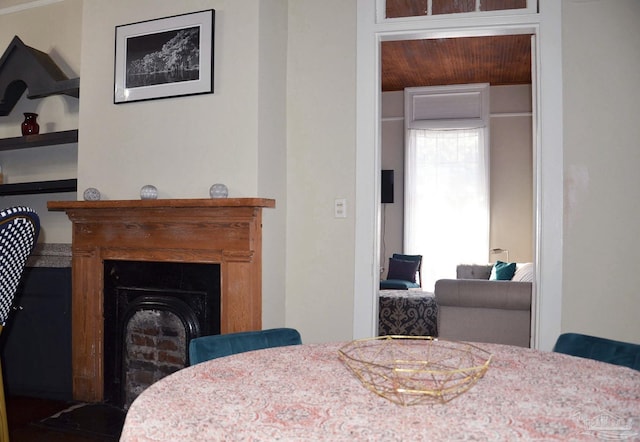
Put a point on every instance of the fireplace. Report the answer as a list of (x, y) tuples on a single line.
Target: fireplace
[(223, 232), (151, 312)]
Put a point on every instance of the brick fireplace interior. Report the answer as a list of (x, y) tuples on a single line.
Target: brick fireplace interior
[(225, 234)]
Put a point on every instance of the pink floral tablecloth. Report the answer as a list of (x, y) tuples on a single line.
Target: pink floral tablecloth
[(306, 393)]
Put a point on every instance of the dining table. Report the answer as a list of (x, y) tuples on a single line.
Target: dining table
[(308, 393)]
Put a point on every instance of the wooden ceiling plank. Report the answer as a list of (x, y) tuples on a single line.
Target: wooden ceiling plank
[(497, 60)]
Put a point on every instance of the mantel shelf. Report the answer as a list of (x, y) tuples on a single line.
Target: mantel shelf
[(48, 139), (188, 203)]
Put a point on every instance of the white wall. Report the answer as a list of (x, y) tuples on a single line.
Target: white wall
[(272, 154), (181, 145), (512, 186), (601, 294), (392, 157), (320, 168)]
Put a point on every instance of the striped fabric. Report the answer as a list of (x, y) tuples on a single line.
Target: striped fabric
[(19, 229)]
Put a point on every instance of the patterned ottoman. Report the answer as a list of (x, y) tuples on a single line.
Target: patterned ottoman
[(407, 312)]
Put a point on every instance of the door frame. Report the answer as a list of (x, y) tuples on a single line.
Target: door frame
[(545, 26)]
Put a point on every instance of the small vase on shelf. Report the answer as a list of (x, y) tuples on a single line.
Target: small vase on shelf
[(30, 126)]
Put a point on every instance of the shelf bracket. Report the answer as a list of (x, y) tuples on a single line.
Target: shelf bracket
[(25, 68)]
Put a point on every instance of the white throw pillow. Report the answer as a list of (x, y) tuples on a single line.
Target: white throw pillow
[(524, 272)]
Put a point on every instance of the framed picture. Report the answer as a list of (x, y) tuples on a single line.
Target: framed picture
[(166, 57)]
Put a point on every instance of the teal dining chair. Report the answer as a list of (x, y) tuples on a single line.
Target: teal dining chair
[(205, 348), (600, 349)]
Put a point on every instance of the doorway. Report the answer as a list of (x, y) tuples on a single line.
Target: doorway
[(441, 64), (546, 27)]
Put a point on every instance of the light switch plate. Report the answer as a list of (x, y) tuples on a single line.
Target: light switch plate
[(340, 208)]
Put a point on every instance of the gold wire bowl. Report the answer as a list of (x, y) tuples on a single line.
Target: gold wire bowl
[(412, 370)]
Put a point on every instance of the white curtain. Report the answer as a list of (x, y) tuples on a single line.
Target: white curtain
[(446, 200)]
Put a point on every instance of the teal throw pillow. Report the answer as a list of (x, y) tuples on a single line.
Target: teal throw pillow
[(503, 271)]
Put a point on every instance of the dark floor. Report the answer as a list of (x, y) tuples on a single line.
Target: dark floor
[(23, 411)]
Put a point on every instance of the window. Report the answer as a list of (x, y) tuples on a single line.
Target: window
[(447, 178), (446, 202), (415, 8)]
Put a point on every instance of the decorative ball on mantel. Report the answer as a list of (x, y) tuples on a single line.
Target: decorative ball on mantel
[(91, 194), (148, 192), (219, 190)]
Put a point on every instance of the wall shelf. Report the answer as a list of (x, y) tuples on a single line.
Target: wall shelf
[(48, 139), (30, 141), (55, 186), (23, 68)]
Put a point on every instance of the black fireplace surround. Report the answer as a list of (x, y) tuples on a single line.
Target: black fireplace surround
[(190, 291)]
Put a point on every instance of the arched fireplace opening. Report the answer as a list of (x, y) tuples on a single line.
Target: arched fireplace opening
[(151, 312)]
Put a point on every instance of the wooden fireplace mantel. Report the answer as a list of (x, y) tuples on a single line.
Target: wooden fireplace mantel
[(226, 231)]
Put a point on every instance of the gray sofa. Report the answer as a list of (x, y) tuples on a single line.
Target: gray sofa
[(473, 308)]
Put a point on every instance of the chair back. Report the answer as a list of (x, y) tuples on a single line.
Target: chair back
[(600, 349), (19, 230), (415, 258), (205, 348)]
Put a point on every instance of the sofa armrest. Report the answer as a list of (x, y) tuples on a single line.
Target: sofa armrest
[(479, 293)]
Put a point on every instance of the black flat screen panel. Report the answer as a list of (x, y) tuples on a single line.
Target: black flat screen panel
[(387, 186)]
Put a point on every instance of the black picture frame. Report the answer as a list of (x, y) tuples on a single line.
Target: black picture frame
[(165, 57)]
